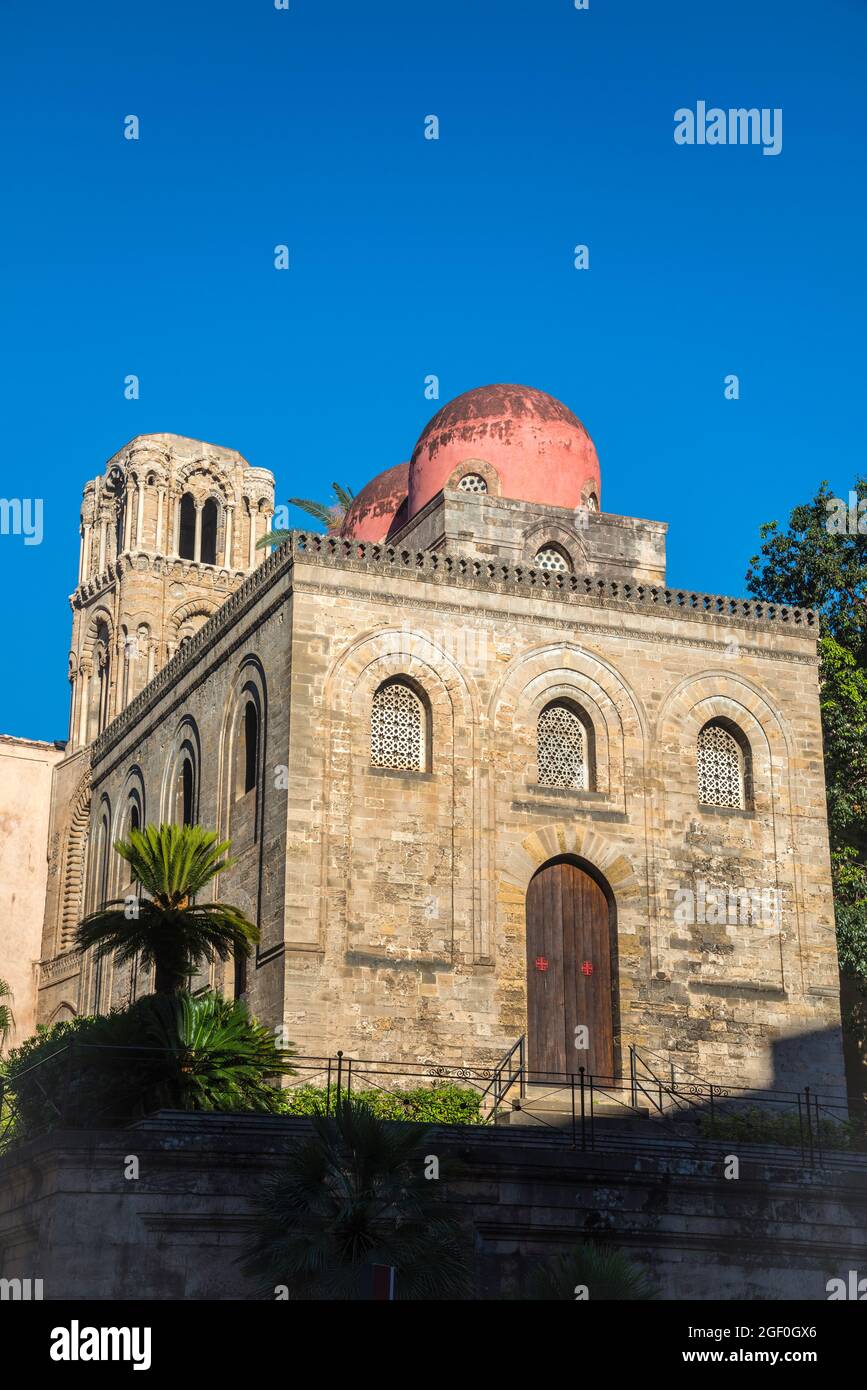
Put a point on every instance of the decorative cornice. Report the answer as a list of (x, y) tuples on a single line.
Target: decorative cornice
[(461, 571), (215, 577), (59, 967)]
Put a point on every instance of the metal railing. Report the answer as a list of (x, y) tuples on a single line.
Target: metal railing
[(584, 1110)]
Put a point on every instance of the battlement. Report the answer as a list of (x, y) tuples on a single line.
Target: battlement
[(460, 571)]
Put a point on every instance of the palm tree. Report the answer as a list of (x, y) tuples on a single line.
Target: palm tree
[(606, 1274), (330, 514), (7, 1018), (351, 1196), (168, 929)]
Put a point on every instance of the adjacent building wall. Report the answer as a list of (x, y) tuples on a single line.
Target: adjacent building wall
[(25, 807)]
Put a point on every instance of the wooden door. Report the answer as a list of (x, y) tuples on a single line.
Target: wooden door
[(569, 975)]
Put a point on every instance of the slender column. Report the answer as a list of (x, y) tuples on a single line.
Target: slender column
[(85, 553), (152, 658), (252, 537), (127, 516), (197, 546), (73, 708), (227, 559), (102, 538), (176, 541), (161, 494), (139, 515), (83, 694)]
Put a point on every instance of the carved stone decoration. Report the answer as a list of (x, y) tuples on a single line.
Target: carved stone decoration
[(561, 748), (72, 901), (397, 732), (720, 773)]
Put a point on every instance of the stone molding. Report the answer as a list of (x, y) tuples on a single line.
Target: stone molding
[(463, 571)]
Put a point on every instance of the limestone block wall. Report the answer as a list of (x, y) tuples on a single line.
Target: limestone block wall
[(25, 806), (193, 706), (392, 903), (69, 1217), (414, 944), (618, 547)]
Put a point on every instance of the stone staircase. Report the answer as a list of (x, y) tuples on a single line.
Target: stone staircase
[(551, 1106)]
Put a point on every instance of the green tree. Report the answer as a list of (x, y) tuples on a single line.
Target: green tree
[(167, 928), (7, 1020), (606, 1274), (353, 1195), (820, 560), (330, 514)]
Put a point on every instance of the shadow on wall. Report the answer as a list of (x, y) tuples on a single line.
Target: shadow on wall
[(811, 1058)]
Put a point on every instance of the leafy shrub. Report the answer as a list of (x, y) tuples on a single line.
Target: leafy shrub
[(182, 1052), (607, 1274), (755, 1125), (352, 1195), (444, 1104)]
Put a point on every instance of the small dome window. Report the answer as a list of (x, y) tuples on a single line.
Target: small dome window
[(472, 482), (552, 559)]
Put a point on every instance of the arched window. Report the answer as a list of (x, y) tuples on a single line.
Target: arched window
[(134, 817), (472, 482), (210, 516), (247, 751), (564, 747), (553, 559), (187, 532), (723, 764), (185, 790), (99, 685), (398, 728)]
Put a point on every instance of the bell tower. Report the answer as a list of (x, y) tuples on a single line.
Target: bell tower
[(168, 531)]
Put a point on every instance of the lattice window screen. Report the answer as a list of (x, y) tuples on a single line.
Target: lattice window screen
[(472, 482), (562, 748), (397, 729), (720, 768), (550, 559)]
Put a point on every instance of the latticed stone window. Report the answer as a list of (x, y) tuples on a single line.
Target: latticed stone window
[(549, 558), (472, 482), (720, 768), (562, 748), (398, 728)]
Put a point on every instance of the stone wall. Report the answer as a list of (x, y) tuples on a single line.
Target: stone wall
[(70, 1216), (392, 904), (25, 808)]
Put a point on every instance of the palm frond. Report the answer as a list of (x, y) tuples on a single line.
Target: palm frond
[(345, 496), (167, 927), (320, 510), (275, 538)]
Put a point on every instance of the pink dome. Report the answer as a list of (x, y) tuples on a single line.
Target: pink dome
[(380, 506), (539, 450)]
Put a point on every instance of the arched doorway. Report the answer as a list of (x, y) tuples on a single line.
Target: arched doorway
[(570, 972)]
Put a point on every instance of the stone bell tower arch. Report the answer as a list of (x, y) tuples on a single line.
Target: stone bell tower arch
[(168, 531)]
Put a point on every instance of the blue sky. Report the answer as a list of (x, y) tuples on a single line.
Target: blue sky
[(411, 257)]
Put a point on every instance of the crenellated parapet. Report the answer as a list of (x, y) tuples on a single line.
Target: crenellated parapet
[(466, 572)]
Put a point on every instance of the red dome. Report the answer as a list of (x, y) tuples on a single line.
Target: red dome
[(374, 512), (540, 451)]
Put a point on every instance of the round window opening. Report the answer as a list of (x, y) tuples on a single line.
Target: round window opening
[(472, 482), (552, 560)]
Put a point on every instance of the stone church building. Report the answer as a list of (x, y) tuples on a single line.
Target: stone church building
[(484, 774)]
